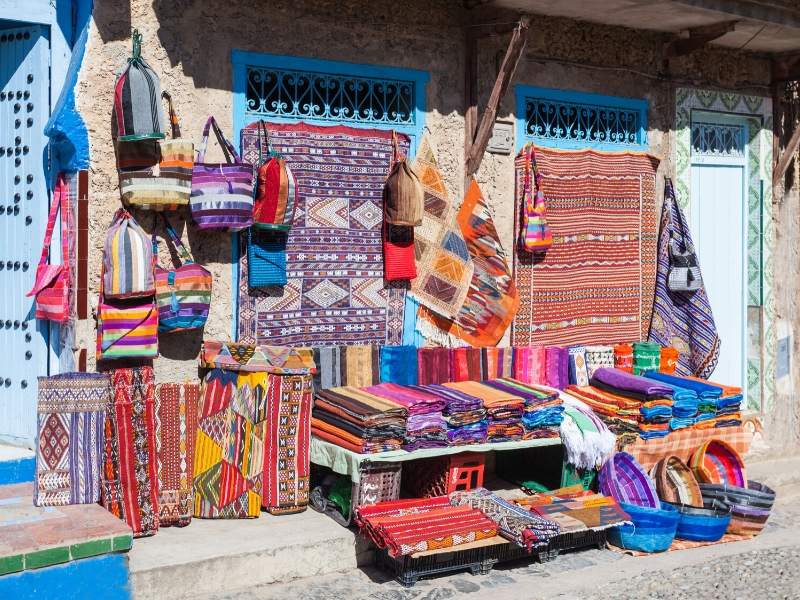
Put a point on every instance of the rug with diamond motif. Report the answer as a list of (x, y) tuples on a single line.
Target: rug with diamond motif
[(335, 293)]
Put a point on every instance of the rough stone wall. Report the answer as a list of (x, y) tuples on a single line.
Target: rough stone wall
[(189, 43)]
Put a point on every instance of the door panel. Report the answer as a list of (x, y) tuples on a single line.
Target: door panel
[(718, 232), (24, 109)]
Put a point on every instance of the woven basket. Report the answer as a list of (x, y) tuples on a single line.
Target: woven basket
[(653, 529), (703, 524), (718, 462), (750, 506), (625, 480), (675, 482)]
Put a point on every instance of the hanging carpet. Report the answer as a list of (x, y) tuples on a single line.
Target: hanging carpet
[(595, 284), (335, 292)]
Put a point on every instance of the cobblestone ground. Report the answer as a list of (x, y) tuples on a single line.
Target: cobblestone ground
[(765, 568)]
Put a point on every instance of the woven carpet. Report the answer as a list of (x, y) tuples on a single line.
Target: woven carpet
[(335, 292), (443, 264), (492, 296), (595, 285)]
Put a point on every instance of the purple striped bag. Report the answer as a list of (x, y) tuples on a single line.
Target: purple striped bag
[(222, 193)]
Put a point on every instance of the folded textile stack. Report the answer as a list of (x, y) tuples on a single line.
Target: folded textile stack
[(504, 409), (516, 524), (544, 409), (577, 511), (599, 357), (685, 404), (357, 420), (621, 415), (623, 357), (718, 405), (425, 427), (529, 364), (467, 421), (408, 526), (433, 365)]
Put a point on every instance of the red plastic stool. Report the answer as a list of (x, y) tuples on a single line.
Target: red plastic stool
[(465, 472)]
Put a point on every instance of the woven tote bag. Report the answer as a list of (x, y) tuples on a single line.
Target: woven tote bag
[(127, 329), (127, 260), (183, 294), (403, 193), (156, 174), (52, 284), (266, 258), (276, 193), (222, 193), (535, 235)]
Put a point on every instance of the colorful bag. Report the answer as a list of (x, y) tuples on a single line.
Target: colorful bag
[(156, 174), (399, 261), (266, 258), (138, 113), (222, 193), (535, 235), (403, 195), (183, 295), (52, 284), (127, 260), (276, 196), (127, 329)]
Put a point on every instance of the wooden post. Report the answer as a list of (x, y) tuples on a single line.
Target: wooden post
[(475, 150), (470, 94), (786, 158)]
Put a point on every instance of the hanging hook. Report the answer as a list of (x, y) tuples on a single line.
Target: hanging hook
[(137, 44)]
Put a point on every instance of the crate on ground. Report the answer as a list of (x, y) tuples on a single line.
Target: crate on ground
[(378, 482), (565, 542), (441, 475), (407, 570)]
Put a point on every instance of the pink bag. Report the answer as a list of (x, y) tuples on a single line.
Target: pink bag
[(52, 284), (535, 235)]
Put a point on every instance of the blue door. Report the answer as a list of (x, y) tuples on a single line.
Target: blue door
[(24, 110)]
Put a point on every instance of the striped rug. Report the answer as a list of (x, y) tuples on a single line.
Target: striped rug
[(595, 285)]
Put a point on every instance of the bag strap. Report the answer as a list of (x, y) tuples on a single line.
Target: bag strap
[(396, 155), (527, 186), (184, 256), (231, 156), (173, 118), (55, 207)]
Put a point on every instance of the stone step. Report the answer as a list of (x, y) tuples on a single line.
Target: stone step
[(210, 557)]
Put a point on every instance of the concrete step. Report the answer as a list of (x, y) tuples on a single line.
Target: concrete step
[(212, 557), (775, 472)]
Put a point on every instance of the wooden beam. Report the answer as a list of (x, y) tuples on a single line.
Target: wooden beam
[(698, 38), (507, 69), (786, 158), (470, 92)]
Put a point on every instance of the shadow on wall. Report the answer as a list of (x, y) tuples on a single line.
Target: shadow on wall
[(113, 19)]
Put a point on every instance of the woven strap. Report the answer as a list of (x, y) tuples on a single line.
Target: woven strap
[(184, 256), (231, 156), (173, 118), (58, 198)]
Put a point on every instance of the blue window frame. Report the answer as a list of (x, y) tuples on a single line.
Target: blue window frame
[(573, 120), (288, 89)]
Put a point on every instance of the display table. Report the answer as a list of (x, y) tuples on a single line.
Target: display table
[(347, 462)]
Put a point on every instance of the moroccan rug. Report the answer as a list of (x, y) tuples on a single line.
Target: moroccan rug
[(130, 481), (176, 429), (492, 296), (444, 267), (595, 285), (335, 292), (287, 439), (682, 320), (69, 450), (229, 447)]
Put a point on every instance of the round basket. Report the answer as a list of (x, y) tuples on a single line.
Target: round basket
[(652, 529), (717, 462), (755, 495), (701, 524), (624, 479), (676, 483)]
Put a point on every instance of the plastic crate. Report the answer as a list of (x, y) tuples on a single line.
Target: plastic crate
[(407, 570), (565, 542), (465, 472), (441, 475)]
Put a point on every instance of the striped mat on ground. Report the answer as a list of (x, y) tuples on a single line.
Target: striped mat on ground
[(595, 285), (335, 292)]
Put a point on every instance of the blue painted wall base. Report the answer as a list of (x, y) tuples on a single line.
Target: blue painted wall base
[(20, 470)]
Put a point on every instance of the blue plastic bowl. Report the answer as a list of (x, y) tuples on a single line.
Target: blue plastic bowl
[(653, 529), (702, 524)]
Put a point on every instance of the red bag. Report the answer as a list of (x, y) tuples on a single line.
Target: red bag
[(52, 284)]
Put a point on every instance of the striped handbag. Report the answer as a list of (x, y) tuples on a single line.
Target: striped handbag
[(127, 329), (128, 259), (156, 174), (222, 193), (183, 295), (276, 194), (52, 284), (535, 235)]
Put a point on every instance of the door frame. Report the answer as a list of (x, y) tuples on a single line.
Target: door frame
[(756, 112)]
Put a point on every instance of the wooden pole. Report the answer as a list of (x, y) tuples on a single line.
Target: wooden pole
[(786, 158)]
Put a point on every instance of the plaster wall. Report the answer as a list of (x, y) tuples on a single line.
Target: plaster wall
[(189, 43)]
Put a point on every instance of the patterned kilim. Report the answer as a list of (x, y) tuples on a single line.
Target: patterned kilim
[(229, 448), (335, 292), (264, 359), (492, 297), (176, 429), (287, 440), (69, 450), (130, 481), (444, 268), (595, 285)]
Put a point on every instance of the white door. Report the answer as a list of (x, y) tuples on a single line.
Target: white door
[(718, 220)]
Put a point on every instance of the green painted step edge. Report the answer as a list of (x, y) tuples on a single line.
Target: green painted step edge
[(12, 564), (93, 548), (45, 558), (122, 543)]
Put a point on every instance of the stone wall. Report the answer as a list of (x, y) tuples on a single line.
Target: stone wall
[(189, 43)]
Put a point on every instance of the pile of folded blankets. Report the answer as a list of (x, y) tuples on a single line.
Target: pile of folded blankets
[(717, 405), (543, 411), (409, 526), (426, 426), (504, 410), (466, 418), (359, 421), (621, 415)]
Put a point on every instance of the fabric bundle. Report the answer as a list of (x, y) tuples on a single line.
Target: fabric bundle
[(425, 427), (621, 415), (669, 360), (628, 385), (359, 421), (529, 364), (543, 410), (339, 366), (575, 513), (398, 364), (578, 369), (496, 362), (405, 527), (599, 357), (504, 409), (717, 405), (623, 357), (434, 365), (556, 367), (646, 357), (466, 418), (466, 364), (516, 524)]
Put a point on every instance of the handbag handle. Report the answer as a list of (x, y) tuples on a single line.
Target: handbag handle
[(227, 148), (669, 194), (184, 256), (55, 207), (173, 118)]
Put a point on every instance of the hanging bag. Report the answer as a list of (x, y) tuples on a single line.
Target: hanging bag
[(684, 269), (127, 260), (52, 284), (183, 294), (403, 193), (266, 258), (156, 174), (276, 196), (222, 193), (535, 235)]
